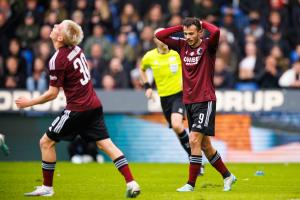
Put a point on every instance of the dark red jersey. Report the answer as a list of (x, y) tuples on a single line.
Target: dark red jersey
[(197, 63), (69, 69)]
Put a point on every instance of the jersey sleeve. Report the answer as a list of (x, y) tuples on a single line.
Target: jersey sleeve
[(165, 36), (145, 63), (56, 72), (214, 35)]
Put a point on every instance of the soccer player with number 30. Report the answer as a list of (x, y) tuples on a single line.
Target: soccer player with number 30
[(83, 114)]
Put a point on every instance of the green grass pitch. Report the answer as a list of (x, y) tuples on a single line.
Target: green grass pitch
[(158, 181)]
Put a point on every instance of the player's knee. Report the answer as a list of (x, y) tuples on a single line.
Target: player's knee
[(177, 127), (45, 144), (194, 142), (100, 146), (104, 144)]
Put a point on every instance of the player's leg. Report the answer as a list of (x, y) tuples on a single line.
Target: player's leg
[(121, 163), (97, 131), (64, 127), (216, 161), (174, 110), (195, 161), (178, 128), (47, 147), (212, 155)]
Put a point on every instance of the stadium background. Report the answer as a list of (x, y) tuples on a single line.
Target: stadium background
[(258, 119)]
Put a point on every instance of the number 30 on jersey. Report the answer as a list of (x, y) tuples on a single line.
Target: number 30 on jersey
[(81, 63)]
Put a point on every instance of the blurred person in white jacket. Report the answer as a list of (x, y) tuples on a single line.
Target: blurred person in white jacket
[(291, 77)]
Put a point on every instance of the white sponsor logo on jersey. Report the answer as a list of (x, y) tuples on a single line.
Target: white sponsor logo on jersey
[(53, 78), (191, 60)]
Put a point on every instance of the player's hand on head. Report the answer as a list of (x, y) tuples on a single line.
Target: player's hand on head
[(22, 102)]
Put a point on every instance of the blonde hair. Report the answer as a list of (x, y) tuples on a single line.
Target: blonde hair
[(72, 33)]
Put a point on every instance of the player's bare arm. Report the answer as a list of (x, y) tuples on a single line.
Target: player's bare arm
[(50, 94)]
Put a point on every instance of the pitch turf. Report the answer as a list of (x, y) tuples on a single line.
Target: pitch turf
[(158, 181)]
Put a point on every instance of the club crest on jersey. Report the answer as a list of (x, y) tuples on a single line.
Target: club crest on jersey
[(199, 51)]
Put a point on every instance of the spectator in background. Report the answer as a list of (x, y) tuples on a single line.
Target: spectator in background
[(250, 65), (129, 19), (78, 17), (51, 18), (43, 50), (223, 78), (28, 32), (98, 37), (117, 72), (129, 52), (57, 7), (14, 78), (118, 52), (38, 79), (275, 34), (14, 49), (175, 20), (146, 40), (37, 11), (45, 31), (135, 80), (154, 18), (228, 56), (43, 47), (206, 9), (282, 62), (176, 7), (229, 48), (10, 17), (83, 6), (228, 23), (291, 77), (95, 76), (108, 83), (269, 77), (254, 28), (102, 15), (98, 65)]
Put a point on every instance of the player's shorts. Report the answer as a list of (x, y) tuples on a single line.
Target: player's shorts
[(88, 124), (172, 104), (201, 117)]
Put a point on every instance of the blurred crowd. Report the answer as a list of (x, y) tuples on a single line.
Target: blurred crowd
[(259, 42)]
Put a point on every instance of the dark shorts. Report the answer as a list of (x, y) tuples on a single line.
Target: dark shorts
[(201, 117), (172, 104), (88, 124)]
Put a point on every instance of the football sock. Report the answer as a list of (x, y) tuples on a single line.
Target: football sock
[(48, 171), (122, 165), (217, 163), (194, 169), (184, 141)]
